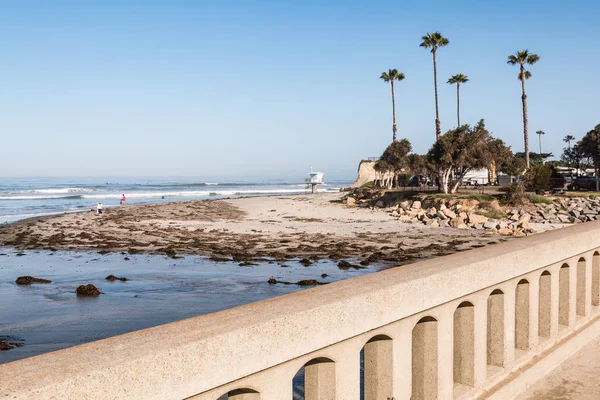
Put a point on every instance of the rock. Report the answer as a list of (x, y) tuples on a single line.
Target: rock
[(432, 212), (344, 264), (405, 205), (449, 213), (478, 226), (525, 217), (405, 218), (519, 233), (351, 201), (308, 282), (455, 222), (88, 290), (306, 262), (505, 231), (247, 264), (113, 278), (380, 204), (524, 225), (394, 213), (564, 218), (490, 225), (463, 215), (440, 214), (433, 223), (583, 218), (324, 275), (514, 217), (416, 205), (477, 219), (445, 223), (575, 213), (272, 281), (28, 280), (462, 226)]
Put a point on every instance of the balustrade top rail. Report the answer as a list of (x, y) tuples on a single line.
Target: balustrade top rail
[(191, 356)]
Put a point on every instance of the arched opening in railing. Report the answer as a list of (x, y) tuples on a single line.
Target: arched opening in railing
[(378, 369), (241, 394), (495, 328), (596, 279), (425, 359), (315, 380), (581, 278), (563, 295), (522, 315), (545, 305), (464, 344)]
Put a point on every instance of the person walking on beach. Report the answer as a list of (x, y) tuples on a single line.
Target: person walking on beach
[(123, 200), (99, 209)]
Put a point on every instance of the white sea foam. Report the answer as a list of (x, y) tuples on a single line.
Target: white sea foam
[(59, 191)]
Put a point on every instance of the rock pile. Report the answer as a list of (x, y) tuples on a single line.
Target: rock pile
[(459, 214), (467, 214)]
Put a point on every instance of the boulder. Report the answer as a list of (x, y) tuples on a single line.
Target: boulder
[(380, 204), (564, 218), (433, 223), (28, 280), (463, 226), (440, 214), (505, 231), (416, 205), (88, 290), (490, 225), (405, 205), (444, 223), (449, 213), (351, 201), (525, 217), (455, 222), (432, 212), (477, 219)]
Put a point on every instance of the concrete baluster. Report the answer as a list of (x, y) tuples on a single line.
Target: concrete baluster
[(403, 360), (534, 309), (480, 338), (509, 329), (320, 380), (445, 350), (347, 375), (379, 368)]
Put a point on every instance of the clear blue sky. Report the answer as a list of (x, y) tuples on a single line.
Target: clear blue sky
[(271, 88)]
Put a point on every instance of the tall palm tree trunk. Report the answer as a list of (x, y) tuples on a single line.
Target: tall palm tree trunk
[(394, 113), (540, 145), (438, 129), (525, 121), (458, 102)]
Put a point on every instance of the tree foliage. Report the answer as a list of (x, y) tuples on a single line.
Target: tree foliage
[(463, 149), (394, 158), (590, 147)]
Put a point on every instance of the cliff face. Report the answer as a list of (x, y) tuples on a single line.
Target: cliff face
[(367, 173)]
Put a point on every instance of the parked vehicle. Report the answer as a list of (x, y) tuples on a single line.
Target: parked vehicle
[(583, 182)]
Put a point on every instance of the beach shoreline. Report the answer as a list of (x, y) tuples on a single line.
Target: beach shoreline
[(244, 229)]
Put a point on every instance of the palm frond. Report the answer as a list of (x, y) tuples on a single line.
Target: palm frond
[(400, 76), (385, 76), (512, 60), (525, 74), (532, 58)]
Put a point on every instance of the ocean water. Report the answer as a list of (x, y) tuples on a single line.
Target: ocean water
[(22, 198), (48, 317)]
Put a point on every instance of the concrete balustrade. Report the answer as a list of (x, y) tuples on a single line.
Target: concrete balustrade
[(456, 327)]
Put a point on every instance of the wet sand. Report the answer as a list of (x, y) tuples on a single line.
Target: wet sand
[(242, 229)]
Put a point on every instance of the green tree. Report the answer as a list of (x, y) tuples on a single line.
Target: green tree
[(523, 58), (434, 41), (458, 79), (463, 149), (540, 133), (567, 139), (391, 76), (590, 147), (394, 158)]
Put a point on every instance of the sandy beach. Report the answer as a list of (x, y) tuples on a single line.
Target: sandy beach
[(243, 229)]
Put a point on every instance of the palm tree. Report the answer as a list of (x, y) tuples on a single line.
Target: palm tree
[(567, 139), (458, 79), (521, 58), (391, 76), (540, 133), (434, 41)]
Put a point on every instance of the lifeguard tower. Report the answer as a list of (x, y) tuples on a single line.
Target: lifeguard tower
[(316, 178)]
